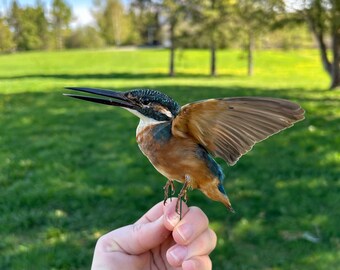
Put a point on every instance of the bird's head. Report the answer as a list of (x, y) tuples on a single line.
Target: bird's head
[(145, 103)]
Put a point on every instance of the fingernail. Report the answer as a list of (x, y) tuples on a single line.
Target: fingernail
[(178, 253), (185, 231)]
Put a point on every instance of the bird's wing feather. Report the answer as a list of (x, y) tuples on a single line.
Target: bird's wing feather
[(229, 127)]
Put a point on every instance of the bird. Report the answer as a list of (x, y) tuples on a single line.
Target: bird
[(183, 142)]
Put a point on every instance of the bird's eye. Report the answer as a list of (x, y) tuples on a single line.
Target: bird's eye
[(146, 102)]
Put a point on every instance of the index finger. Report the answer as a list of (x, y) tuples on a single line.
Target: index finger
[(153, 214)]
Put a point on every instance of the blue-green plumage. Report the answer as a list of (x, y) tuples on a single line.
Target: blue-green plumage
[(212, 165), (150, 98), (162, 132)]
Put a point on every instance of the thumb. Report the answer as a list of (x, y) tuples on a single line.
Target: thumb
[(137, 238)]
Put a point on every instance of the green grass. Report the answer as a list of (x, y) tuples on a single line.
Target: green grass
[(71, 171)]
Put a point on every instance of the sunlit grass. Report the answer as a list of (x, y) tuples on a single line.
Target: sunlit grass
[(70, 171)]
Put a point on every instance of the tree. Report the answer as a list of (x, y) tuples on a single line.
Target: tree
[(14, 20), (211, 18), (113, 22), (147, 21), (254, 17), (84, 37), (29, 26), (42, 24), (323, 17), (61, 17), (6, 39), (175, 13), (133, 36)]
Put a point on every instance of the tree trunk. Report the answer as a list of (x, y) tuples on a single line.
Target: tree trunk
[(172, 51), (327, 65), (116, 29), (250, 52), (336, 62), (59, 39), (317, 29), (317, 26), (336, 49), (172, 62), (212, 58), (212, 47), (332, 68), (59, 35)]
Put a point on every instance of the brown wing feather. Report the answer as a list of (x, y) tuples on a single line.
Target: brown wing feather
[(229, 127)]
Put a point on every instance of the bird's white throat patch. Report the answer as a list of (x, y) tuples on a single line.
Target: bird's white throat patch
[(144, 121)]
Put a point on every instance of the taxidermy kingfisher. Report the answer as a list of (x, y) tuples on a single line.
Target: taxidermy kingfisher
[(180, 142)]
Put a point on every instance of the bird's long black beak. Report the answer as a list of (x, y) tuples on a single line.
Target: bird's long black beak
[(114, 98)]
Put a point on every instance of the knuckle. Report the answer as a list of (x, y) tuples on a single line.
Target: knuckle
[(136, 228), (101, 240), (103, 243)]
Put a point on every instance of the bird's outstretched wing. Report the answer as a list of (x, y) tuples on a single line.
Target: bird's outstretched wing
[(229, 127)]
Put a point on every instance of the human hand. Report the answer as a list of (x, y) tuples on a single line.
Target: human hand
[(159, 240)]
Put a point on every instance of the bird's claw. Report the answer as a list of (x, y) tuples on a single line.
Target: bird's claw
[(182, 196), (172, 188), (169, 185)]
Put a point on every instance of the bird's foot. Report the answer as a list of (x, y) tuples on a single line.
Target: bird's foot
[(183, 196), (169, 185)]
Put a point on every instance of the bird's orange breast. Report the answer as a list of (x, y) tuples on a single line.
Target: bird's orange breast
[(174, 157)]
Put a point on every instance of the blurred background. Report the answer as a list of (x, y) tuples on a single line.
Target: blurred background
[(71, 171)]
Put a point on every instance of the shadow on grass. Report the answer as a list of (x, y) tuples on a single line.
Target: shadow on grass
[(112, 75), (72, 171)]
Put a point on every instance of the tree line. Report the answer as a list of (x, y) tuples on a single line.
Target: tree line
[(212, 24)]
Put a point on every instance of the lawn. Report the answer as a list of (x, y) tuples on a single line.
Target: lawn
[(71, 171)]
